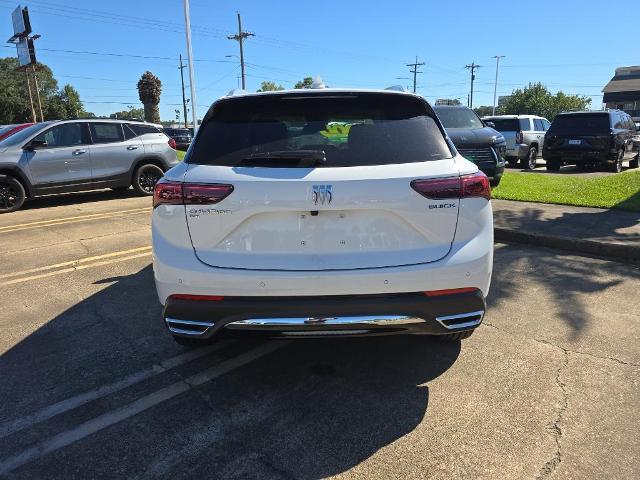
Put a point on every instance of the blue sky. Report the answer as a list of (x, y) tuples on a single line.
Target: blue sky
[(564, 44)]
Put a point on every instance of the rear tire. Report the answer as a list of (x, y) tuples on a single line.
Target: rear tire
[(190, 342), (495, 183), (145, 178), (12, 194), (455, 337), (553, 166), (529, 163), (634, 163), (616, 167)]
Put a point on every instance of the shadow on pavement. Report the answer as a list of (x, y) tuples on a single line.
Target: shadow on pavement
[(313, 408), (77, 198)]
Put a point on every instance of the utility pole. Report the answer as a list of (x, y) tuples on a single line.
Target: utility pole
[(495, 85), (192, 76), (184, 100), (239, 37), (33, 110), (473, 67), (35, 81), (415, 71)]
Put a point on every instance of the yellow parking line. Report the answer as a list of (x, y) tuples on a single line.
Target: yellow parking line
[(76, 262), (62, 221), (75, 268)]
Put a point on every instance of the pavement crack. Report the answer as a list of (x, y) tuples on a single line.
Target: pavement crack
[(555, 426)]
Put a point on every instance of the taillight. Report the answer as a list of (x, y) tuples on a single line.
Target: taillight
[(450, 291), (173, 193), (172, 143), (196, 298), (473, 185)]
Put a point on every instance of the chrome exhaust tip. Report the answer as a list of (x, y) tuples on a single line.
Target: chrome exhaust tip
[(461, 320), (187, 327)]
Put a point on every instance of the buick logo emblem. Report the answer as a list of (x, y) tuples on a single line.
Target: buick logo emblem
[(322, 194)]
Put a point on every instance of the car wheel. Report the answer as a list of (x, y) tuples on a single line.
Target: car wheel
[(634, 163), (190, 342), (454, 337), (553, 166), (145, 178), (495, 182), (616, 167), (120, 189), (12, 194), (531, 159)]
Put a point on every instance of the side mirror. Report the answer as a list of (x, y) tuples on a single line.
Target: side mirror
[(490, 124), (35, 144)]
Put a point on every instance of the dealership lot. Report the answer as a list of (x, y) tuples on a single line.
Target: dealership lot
[(94, 386)]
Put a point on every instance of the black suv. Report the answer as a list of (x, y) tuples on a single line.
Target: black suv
[(182, 136), (475, 140), (591, 138)]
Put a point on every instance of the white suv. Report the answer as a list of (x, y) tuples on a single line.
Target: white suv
[(322, 212)]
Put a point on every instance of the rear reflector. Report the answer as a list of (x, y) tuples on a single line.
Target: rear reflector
[(197, 298), (174, 193), (450, 291), (465, 186)]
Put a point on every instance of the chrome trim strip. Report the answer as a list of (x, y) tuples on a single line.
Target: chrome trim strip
[(318, 333), (188, 322), (184, 332), (471, 323), (310, 321)]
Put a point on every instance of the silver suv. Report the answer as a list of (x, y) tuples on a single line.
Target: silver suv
[(75, 155), (524, 135)]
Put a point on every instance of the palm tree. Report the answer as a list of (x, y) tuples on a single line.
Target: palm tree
[(149, 90)]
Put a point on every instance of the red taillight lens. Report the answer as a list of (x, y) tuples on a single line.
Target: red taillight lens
[(173, 193), (450, 291), (205, 194), (172, 143), (473, 185), (476, 185), (197, 298), (167, 193)]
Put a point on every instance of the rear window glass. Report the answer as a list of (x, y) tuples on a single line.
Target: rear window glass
[(143, 129), (525, 124), (582, 124), (458, 117), (505, 124), (337, 130), (106, 132)]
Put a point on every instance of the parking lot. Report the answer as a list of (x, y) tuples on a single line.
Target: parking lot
[(93, 386)]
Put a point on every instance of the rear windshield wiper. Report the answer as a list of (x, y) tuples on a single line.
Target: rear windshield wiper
[(285, 159)]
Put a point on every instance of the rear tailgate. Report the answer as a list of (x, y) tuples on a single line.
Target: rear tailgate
[(358, 217)]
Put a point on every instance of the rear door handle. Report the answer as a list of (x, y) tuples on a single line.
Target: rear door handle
[(132, 147), (78, 152)]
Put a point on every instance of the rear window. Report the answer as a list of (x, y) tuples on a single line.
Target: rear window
[(582, 124), (505, 124), (458, 118), (332, 130), (143, 129)]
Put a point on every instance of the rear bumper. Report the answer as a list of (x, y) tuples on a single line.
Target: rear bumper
[(518, 151), (578, 157), (409, 313)]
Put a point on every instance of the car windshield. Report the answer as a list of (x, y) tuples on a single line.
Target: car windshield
[(505, 124), (341, 130), (22, 135), (581, 124), (458, 118)]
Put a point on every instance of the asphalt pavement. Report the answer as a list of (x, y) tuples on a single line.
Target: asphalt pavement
[(94, 387)]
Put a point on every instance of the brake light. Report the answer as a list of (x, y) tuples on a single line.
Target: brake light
[(450, 291), (197, 298), (174, 193), (172, 143), (473, 185)]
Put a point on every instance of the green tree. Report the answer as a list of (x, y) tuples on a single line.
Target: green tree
[(535, 99), (131, 113), (483, 111), (306, 82), (65, 104), (269, 87), (149, 90)]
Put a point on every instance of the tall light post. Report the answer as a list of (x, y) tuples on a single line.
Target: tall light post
[(495, 85), (192, 79)]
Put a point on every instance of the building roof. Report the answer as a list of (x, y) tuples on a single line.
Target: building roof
[(626, 79)]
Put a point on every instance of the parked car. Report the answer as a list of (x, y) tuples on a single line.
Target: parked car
[(8, 130), (591, 138), (474, 140), (182, 136), (524, 135), (75, 155), (277, 224)]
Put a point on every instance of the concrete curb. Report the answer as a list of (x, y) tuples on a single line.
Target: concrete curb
[(575, 245)]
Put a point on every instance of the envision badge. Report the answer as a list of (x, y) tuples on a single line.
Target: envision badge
[(322, 194)]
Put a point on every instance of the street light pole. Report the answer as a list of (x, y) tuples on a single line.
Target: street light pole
[(495, 85), (192, 79)]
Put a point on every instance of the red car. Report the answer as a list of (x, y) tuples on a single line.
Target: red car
[(8, 130)]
